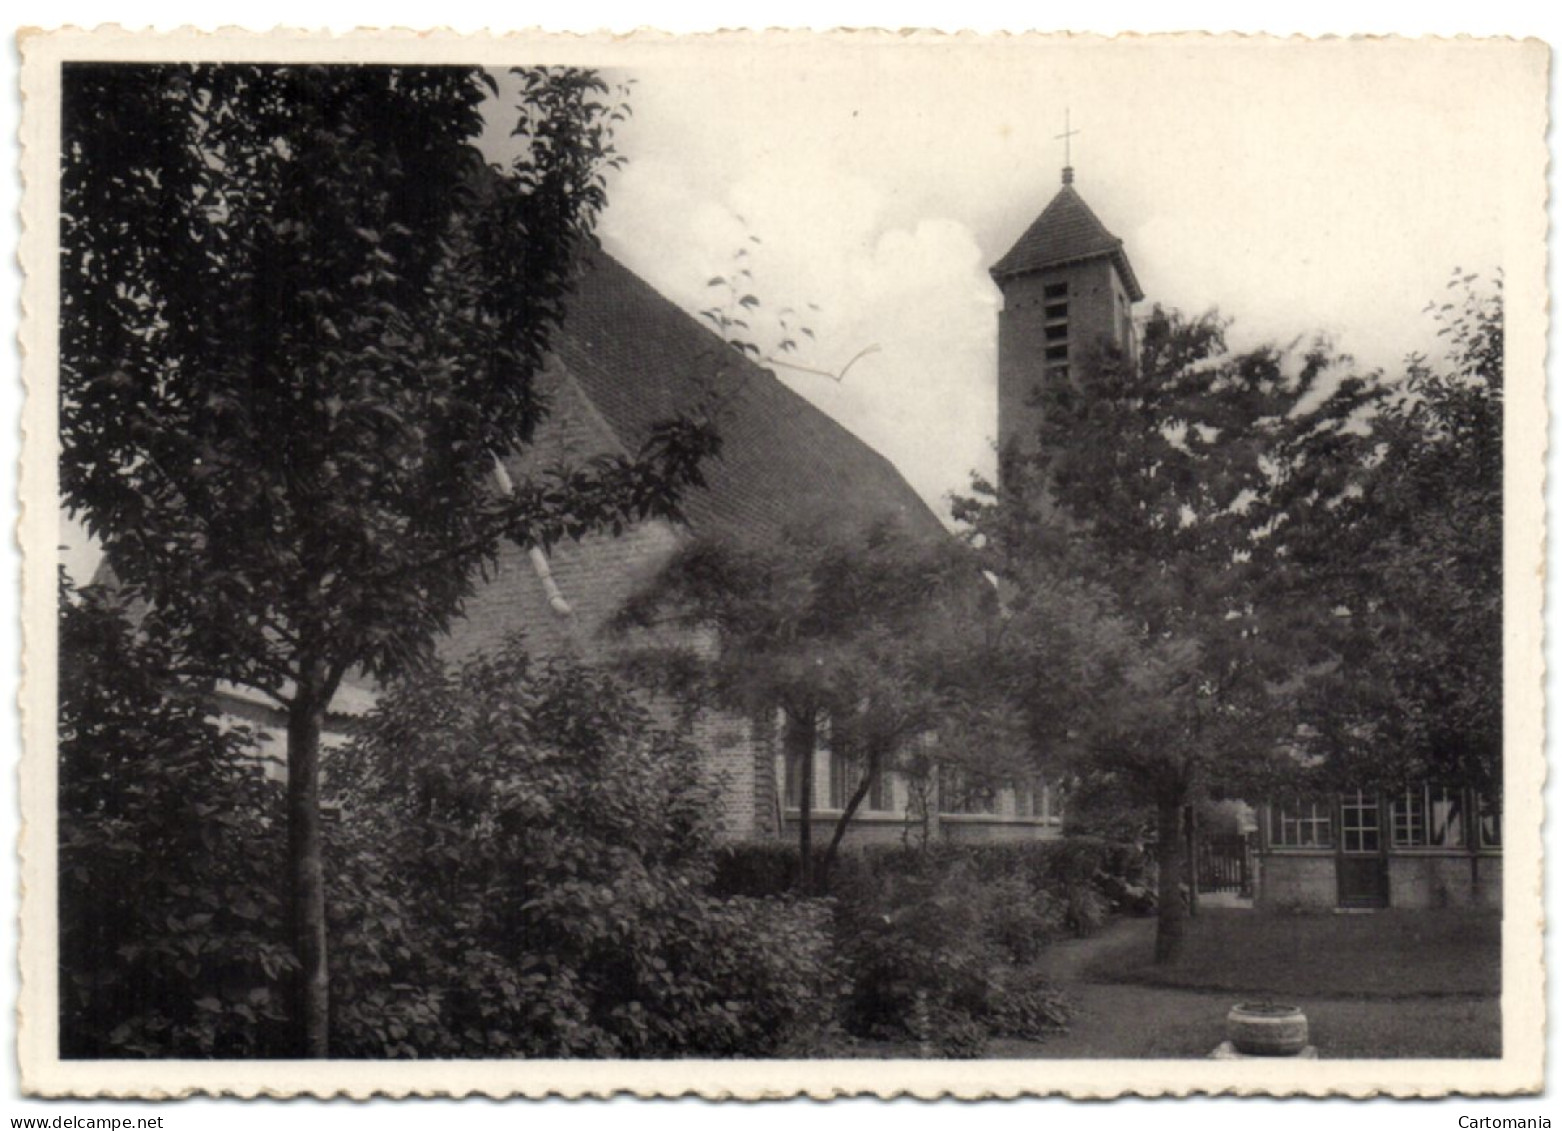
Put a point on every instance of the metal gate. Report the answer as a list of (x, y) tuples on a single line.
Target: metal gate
[(1223, 864)]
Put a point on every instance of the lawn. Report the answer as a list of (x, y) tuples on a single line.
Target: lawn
[(1392, 984), (1134, 1022), (1389, 985), (1392, 955)]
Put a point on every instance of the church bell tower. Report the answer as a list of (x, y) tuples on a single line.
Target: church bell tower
[(1068, 294)]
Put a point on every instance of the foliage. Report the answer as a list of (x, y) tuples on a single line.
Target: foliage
[(1029, 1006), (936, 953), (1022, 919), (915, 942), (1135, 535), (1058, 886), (1101, 803), (758, 868), (1414, 559), (865, 632), (170, 862), (301, 320), (523, 856)]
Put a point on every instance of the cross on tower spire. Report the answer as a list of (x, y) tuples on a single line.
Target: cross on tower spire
[(1068, 156)]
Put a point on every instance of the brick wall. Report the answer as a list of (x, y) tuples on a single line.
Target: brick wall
[(1444, 880), (1297, 880), (1429, 880), (966, 828), (1097, 302), (595, 575), (732, 760)]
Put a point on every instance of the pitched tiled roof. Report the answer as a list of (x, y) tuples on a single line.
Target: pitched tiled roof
[(1067, 231), (640, 359), (624, 359)]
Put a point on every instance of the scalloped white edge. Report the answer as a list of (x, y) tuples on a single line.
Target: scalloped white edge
[(1520, 1070)]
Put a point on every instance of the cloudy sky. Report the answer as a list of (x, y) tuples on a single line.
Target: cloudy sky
[(1301, 188), (1298, 188)]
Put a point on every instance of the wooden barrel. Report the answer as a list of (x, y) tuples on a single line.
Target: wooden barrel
[(1262, 1029)]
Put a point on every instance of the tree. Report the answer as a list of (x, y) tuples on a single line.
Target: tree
[(1133, 529), (1413, 558), (862, 632), (301, 320)]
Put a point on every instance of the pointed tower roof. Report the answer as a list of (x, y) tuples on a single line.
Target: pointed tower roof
[(1066, 232)]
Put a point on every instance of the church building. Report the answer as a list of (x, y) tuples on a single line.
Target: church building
[(623, 359)]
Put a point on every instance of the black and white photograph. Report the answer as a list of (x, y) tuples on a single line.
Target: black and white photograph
[(783, 563)]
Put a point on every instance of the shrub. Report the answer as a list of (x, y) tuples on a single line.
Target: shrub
[(758, 869), (915, 946), (1029, 1006), (958, 1036), (170, 859), (1075, 881), (524, 858), (761, 975), (1022, 920), (939, 957)]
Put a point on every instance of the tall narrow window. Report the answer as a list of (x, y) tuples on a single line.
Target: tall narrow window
[(844, 775), (1359, 822), (1489, 811), (1032, 798), (881, 796), (794, 781), (792, 773), (1409, 819), (1444, 817), (1055, 330)]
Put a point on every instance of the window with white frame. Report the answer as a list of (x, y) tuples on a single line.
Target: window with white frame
[(1444, 817), (1304, 824), (1489, 821), (1407, 819), (1359, 827), (1429, 816)]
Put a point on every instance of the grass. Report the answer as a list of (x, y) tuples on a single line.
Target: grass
[(1142, 1022), (1391, 955), (1390, 985)]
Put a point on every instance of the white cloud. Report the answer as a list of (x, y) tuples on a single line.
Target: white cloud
[(1332, 198), (925, 397)]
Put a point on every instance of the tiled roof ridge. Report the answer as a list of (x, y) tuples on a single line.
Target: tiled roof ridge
[(739, 381)]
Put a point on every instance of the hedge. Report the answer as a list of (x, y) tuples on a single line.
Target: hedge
[(1078, 873)]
